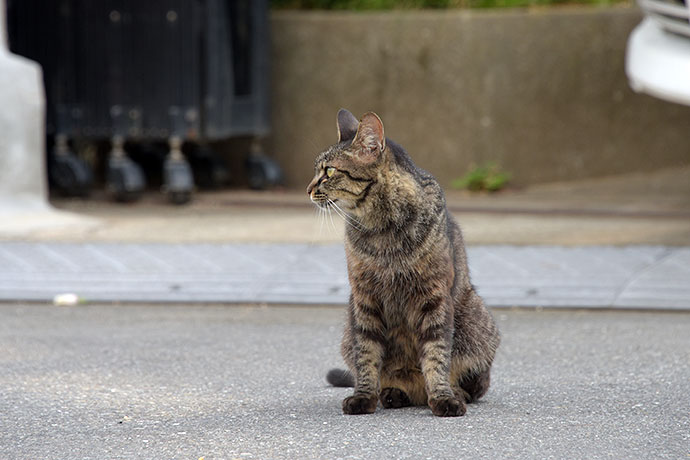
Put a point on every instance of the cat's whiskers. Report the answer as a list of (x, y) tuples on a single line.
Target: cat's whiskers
[(325, 209), (321, 219), (343, 215), (330, 217), (349, 220)]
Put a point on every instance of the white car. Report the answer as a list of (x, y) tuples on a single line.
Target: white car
[(658, 54)]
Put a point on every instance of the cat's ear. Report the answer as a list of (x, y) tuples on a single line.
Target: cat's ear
[(347, 125), (370, 139)]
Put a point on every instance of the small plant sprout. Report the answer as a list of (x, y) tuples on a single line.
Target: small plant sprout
[(487, 177)]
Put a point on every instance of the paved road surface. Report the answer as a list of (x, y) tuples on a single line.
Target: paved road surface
[(182, 382)]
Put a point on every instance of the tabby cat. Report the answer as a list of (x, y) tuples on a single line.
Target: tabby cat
[(417, 332)]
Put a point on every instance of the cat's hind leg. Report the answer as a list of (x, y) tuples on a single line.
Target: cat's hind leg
[(476, 385), (473, 385), (402, 388)]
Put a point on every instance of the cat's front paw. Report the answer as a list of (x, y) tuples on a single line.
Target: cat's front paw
[(359, 404), (447, 407)]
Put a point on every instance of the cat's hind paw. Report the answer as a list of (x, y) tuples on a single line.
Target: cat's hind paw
[(394, 398)]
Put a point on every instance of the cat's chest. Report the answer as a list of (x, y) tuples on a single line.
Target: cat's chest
[(396, 255), (391, 252), (389, 268), (397, 278)]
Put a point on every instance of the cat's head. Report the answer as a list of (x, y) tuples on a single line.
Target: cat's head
[(347, 170)]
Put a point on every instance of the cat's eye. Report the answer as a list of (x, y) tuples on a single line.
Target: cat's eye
[(330, 171)]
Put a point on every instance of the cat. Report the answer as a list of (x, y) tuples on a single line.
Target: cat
[(417, 332)]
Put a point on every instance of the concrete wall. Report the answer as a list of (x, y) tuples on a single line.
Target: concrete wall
[(542, 93)]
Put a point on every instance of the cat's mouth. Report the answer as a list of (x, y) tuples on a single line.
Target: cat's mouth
[(328, 205), (319, 199), (325, 202)]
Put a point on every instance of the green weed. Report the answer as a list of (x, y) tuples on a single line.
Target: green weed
[(483, 178)]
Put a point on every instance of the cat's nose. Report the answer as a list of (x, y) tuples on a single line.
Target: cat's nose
[(311, 186)]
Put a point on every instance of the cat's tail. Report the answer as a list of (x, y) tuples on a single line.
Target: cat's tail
[(340, 378)]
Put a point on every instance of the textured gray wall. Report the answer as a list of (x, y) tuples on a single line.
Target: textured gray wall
[(542, 93)]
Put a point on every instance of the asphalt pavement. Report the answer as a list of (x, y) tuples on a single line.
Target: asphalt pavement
[(214, 382)]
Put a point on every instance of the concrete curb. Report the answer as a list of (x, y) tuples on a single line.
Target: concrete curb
[(632, 277)]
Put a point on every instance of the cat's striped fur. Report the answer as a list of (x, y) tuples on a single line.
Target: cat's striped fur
[(417, 332)]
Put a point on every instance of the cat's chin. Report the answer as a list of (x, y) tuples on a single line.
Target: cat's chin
[(322, 204)]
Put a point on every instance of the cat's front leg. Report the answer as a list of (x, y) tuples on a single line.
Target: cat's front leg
[(369, 340), (435, 339)]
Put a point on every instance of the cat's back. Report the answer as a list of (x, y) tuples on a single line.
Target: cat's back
[(429, 188)]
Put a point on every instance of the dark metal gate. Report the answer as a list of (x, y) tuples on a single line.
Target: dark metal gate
[(131, 70)]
